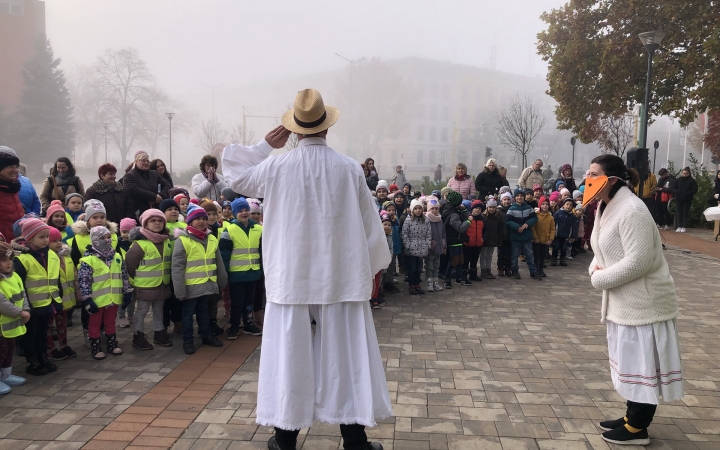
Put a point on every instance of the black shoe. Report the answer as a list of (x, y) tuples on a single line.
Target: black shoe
[(501, 272), (161, 338), (448, 284), (232, 333), (608, 425), (140, 342), (49, 365), (542, 273), (57, 355), (68, 352), (35, 368), (212, 341), (516, 275), (252, 330), (508, 272), (188, 347), (419, 290), (465, 283), (536, 276), (563, 263), (553, 262), (273, 445), (69, 322), (216, 329), (412, 291), (374, 446), (622, 436)]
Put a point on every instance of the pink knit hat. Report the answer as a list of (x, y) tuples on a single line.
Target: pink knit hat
[(55, 234), (55, 206), (128, 224), (144, 217), (555, 196), (31, 227)]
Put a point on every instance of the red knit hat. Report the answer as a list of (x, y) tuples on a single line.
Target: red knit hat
[(542, 200), (55, 234)]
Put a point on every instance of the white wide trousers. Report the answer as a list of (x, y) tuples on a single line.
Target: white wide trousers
[(334, 376)]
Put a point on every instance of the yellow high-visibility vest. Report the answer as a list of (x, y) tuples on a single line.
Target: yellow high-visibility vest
[(67, 282), (12, 289), (154, 269), (201, 266), (107, 284), (246, 248), (41, 285)]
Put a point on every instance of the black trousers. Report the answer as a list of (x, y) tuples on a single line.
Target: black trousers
[(172, 311), (664, 214), (560, 246), (354, 437), (504, 254), (470, 259), (34, 341), (540, 252), (652, 207), (683, 213), (640, 415), (242, 298)]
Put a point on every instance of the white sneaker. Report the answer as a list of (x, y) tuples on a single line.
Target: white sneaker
[(666, 228), (123, 322), (678, 230), (436, 285), (395, 281), (683, 230), (430, 287)]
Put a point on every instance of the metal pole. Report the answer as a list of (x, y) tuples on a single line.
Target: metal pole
[(573, 157), (685, 148), (672, 121), (350, 127), (106, 154), (646, 107), (170, 151)]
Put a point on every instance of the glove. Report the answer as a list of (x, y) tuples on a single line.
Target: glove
[(127, 298), (90, 306)]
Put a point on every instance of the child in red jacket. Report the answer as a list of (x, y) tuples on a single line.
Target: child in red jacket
[(471, 248)]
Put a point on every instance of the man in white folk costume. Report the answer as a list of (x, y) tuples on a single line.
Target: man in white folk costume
[(319, 262)]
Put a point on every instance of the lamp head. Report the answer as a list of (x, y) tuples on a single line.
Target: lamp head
[(651, 40), (170, 115)]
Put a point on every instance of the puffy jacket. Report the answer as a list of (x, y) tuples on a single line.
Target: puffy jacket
[(28, 195), (396, 239), (494, 231), (488, 183), (11, 208), (475, 232), (529, 176), (438, 235), (134, 257), (417, 236), (179, 263), (667, 186), (464, 187), (225, 244), (143, 186), (566, 224), (456, 224), (115, 198), (544, 229), (517, 216), (687, 187)]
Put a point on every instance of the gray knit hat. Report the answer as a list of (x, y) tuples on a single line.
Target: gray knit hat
[(93, 207)]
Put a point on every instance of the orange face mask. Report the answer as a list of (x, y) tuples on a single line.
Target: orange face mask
[(593, 187)]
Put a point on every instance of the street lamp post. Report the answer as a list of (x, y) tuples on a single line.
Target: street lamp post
[(651, 41), (170, 118), (105, 125), (572, 142), (350, 127)]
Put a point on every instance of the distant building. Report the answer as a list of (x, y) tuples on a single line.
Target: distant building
[(21, 22)]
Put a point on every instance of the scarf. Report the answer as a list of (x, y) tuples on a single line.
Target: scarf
[(197, 233), (432, 217), (74, 214), (214, 178), (104, 249), (10, 187), (102, 188), (155, 238), (63, 179)]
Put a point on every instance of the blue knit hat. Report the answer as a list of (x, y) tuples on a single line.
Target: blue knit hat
[(239, 204), (517, 192), (467, 204)]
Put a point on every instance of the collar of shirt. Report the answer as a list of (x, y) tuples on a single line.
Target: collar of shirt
[(312, 141)]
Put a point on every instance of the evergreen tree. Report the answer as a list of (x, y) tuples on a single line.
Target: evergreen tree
[(42, 126)]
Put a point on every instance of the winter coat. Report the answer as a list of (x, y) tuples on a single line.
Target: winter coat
[(464, 187), (566, 224), (488, 183), (372, 181), (50, 190), (417, 236), (648, 187), (133, 257), (475, 232), (517, 216), (438, 235), (437, 174), (225, 244), (115, 198), (10, 207), (544, 229), (456, 225), (529, 176), (81, 228), (399, 178), (396, 238), (28, 196), (494, 228), (687, 187), (143, 186), (668, 186), (202, 188), (85, 274), (7, 307), (179, 263)]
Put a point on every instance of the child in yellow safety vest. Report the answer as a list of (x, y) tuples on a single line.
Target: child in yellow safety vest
[(74, 207), (56, 218), (68, 286), (148, 263), (212, 209), (39, 269), (124, 243), (172, 309), (14, 313), (197, 273), (104, 285), (240, 249)]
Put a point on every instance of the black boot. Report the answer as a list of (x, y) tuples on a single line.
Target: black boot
[(563, 262), (112, 346), (553, 262), (45, 361), (96, 349), (34, 367), (474, 276)]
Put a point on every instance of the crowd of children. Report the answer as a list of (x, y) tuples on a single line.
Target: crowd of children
[(455, 239), (178, 262)]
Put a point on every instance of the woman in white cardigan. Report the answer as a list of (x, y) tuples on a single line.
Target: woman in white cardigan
[(639, 304)]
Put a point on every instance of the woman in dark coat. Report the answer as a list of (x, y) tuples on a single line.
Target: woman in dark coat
[(566, 176), (159, 166), (111, 193), (61, 182), (373, 177), (716, 192), (145, 188), (489, 181), (687, 187)]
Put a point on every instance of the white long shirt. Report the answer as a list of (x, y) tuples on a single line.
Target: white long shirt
[(322, 239)]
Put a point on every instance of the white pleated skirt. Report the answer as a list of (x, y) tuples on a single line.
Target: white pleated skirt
[(334, 375), (645, 362)]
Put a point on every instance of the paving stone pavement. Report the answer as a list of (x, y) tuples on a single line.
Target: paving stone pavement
[(498, 365)]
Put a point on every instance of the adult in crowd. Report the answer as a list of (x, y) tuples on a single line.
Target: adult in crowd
[(28, 195), (687, 187), (10, 207), (398, 177), (159, 166), (61, 182), (489, 181), (111, 193), (716, 195), (373, 177), (566, 176), (649, 192), (665, 190), (462, 183), (547, 173), (337, 301), (437, 174), (503, 175), (208, 183), (144, 188), (532, 175), (639, 304)]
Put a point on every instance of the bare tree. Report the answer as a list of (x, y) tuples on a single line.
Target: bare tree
[(88, 98), (157, 127), (614, 133), (210, 134), (519, 125), (238, 136)]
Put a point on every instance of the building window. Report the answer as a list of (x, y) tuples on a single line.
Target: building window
[(444, 135), (14, 7), (446, 92), (421, 134), (433, 112), (431, 134), (421, 111), (420, 157), (446, 113)]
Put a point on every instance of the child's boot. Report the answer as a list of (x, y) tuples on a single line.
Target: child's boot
[(112, 346), (474, 276), (34, 367), (563, 262), (489, 275), (8, 378), (553, 262), (448, 282), (436, 284), (96, 349), (161, 338), (430, 285), (140, 342), (419, 290), (45, 361), (411, 290)]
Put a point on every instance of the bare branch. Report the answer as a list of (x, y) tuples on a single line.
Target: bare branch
[(519, 125), (210, 134)]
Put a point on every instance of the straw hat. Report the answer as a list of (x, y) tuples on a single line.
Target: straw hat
[(310, 114)]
